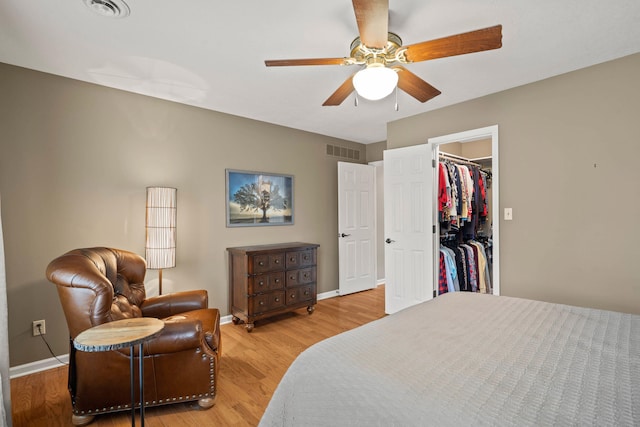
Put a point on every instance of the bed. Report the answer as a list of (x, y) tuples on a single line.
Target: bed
[(467, 359)]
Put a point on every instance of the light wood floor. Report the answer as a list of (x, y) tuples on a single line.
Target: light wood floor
[(250, 369)]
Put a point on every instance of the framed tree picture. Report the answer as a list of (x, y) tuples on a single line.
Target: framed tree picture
[(258, 198)]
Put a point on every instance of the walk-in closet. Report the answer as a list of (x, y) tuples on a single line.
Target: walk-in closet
[(464, 197)]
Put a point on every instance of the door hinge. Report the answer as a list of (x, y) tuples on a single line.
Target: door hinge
[(433, 163), (433, 229), (435, 294)]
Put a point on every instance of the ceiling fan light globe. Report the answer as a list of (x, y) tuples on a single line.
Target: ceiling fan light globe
[(375, 82)]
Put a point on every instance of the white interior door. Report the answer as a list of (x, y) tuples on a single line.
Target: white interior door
[(408, 225), (356, 227)]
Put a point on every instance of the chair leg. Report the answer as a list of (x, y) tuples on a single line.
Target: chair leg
[(81, 420)]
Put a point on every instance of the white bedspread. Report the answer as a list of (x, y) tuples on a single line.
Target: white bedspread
[(467, 359)]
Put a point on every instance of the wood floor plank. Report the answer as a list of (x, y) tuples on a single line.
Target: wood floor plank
[(251, 367)]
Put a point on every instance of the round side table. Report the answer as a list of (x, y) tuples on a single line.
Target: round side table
[(120, 334)]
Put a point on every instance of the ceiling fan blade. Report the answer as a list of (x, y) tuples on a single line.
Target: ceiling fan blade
[(309, 61), (459, 44), (414, 85), (341, 93), (373, 22)]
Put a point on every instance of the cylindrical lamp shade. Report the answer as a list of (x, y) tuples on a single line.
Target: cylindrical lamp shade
[(161, 227)]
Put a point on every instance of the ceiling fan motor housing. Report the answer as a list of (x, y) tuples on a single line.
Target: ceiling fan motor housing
[(363, 54)]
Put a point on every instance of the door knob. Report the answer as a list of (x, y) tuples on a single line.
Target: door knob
[(344, 235), (389, 240)]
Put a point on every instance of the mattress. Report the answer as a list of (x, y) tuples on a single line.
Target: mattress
[(467, 359)]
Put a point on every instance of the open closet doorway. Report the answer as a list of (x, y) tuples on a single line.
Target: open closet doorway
[(478, 150)]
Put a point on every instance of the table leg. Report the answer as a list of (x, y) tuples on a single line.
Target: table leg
[(131, 385), (141, 372)]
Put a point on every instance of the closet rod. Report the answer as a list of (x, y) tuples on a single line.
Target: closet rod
[(458, 159)]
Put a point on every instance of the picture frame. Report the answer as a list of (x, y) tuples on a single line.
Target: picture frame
[(258, 199)]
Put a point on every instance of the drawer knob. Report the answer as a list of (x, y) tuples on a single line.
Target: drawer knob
[(261, 283), (293, 296), (261, 263), (277, 280), (292, 259), (261, 302), (277, 261), (277, 299), (306, 292)]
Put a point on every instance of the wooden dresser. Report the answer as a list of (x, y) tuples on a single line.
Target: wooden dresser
[(266, 280)]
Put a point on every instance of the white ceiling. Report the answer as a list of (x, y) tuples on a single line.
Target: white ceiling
[(211, 53)]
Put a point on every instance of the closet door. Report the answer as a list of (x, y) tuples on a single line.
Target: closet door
[(408, 225)]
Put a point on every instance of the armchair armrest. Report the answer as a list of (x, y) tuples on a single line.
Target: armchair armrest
[(176, 336), (175, 303)]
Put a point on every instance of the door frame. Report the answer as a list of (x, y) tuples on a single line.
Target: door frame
[(380, 246), (469, 136)]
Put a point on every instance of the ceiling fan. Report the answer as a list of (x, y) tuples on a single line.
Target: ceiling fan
[(381, 52)]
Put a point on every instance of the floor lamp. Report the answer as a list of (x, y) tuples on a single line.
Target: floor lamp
[(160, 248)]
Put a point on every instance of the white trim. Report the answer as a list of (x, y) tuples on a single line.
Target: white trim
[(474, 135), (37, 366), (225, 319), (330, 294)]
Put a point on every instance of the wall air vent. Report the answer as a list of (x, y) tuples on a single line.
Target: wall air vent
[(343, 152)]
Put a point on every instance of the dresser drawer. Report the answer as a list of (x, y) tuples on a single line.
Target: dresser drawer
[(266, 302), (300, 294), (268, 262), (301, 277), (266, 282), (300, 258)]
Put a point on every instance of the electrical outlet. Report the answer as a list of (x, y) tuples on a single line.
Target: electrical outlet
[(39, 327)]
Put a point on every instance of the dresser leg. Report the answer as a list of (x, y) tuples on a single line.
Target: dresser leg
[(249, 327), (311, 309)]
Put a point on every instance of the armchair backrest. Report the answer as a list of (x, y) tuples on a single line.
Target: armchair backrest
[(98, 285)]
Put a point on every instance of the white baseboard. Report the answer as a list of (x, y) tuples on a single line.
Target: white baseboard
[(327, 295), (43, 365), (37, 366), (225, 319)]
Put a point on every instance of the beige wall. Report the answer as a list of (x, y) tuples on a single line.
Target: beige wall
[(375, 152), (469, 150), (569, 151), (75, 159)]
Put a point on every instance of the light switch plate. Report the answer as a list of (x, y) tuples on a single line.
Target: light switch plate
[(508, 214)]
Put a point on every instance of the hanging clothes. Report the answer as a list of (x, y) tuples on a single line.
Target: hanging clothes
[(462, 197), (465, 260), (464, 267)]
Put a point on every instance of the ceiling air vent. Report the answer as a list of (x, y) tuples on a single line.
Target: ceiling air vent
[(345, 153), (109, 8)]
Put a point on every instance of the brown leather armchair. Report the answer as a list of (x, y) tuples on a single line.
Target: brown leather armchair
[(99, 285)]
